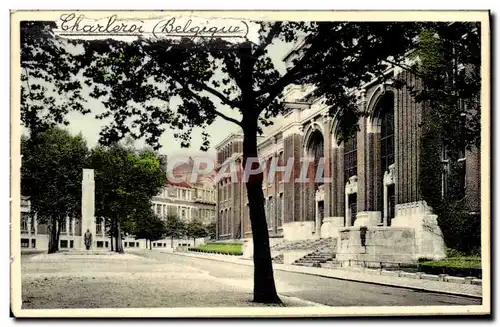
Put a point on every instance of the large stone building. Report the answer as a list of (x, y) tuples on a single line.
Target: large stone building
[(374, 178), (186, 200)]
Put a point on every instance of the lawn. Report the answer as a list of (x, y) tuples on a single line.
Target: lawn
[(220, 248)]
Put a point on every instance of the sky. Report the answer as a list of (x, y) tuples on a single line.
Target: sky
[(220, 129)]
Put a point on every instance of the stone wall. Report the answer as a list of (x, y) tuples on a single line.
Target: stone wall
[(386, 244)]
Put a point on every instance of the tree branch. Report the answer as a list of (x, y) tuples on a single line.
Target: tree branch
[(275, 28), (220, 114), (403, 67)]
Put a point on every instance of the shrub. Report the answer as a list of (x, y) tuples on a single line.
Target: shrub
[(459, 266)]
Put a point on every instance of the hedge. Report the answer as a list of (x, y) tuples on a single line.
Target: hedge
[(219, 248), (461, 267)]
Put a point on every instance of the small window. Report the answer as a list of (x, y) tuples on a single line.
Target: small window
[(25, 243), (137, 244), (107, 244), (100, 244), (71, 244), (64, 244), (33, 243), (131, 244)]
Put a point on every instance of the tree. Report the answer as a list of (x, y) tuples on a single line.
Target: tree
[(147, 225), (51, 175), (195, 229), (176, 228), (125, 181), (50, 87), (449, 67), (139, 83), (212, 230)]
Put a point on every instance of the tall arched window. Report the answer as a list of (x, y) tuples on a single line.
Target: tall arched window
[(386, 117), (350, 157), (387, 132), (316, 150), (350, 170)]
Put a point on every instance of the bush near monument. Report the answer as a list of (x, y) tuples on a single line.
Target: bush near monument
[(219, 248), (456, 266)]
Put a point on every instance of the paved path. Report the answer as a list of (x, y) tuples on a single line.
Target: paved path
[(127, 281), (319, 289), (371, 276)]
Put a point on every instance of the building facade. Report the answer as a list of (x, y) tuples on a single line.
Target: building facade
[(373, 177)]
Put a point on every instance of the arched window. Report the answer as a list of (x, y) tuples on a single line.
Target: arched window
[(350, 157), (316, 150), (387, 132), (386, 117)]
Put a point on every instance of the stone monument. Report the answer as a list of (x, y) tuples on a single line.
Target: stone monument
[(88, 206)]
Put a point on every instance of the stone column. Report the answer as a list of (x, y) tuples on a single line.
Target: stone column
[(339, 192), (88, 206), (36, 224), (327, 173), (347, 212), (67, 226), (73, 226), (386, 206)]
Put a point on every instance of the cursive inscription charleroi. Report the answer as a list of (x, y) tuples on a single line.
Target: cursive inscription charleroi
[(70, 24)]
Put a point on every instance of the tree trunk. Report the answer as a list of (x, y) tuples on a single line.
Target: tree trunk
[(53, 243), (194, 241), (112, 245), (119, 243), (264, 287), (172, 242), (150, 245)]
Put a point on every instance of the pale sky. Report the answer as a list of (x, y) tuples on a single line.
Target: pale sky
[(220, 129)]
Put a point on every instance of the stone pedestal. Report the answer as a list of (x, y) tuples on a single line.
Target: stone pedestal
[(299, 230), (331, 226), (381, 244), (429, 240), (368, 218), (88, 207)]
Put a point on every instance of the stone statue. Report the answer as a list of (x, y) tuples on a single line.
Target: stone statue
[(87, 239)]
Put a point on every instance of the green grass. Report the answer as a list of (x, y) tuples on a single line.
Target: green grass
[(221, 248)]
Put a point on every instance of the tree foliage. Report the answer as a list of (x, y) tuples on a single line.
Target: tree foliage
[(147, 225), (125, 182), (195, 229), (176, 228), (51, 174), (449, 66), (50, 87)]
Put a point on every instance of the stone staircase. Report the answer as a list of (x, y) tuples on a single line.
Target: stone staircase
[(278, 258), (323, 255)]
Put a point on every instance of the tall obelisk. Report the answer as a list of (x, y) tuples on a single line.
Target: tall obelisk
[(88, 206)]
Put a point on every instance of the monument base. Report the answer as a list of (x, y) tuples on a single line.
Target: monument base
[(378, 244), (298, 230), (331, 226), (368, 218)]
